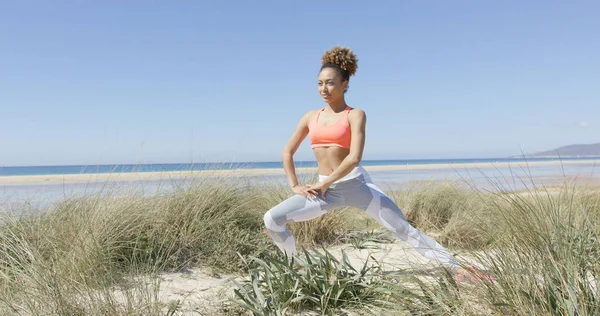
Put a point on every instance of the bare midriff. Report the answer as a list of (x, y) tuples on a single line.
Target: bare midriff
[(329, 158)]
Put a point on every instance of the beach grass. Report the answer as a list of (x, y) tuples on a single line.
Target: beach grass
[(103, 254), (540, 245)]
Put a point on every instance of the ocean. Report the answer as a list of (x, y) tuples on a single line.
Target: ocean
[(34, 197), (118, 168)]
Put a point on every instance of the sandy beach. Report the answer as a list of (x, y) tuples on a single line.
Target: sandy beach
[(102, 177), (198, 290)]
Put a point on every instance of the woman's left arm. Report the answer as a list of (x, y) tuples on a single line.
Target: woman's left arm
[(357, 120)]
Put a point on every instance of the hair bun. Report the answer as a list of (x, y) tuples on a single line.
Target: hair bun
[(343, 57)]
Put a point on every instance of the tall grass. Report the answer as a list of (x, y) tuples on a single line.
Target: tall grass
[(541, 245), (548, 259), (461, 217), (85, 256), (277, 286), (86, 247), (81, 256)]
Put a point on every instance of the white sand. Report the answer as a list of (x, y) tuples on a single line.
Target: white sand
[(102, 177), (200, 293)]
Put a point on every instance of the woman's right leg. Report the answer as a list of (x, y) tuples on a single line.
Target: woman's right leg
[(388, 214), (295, 209), (376, 203)]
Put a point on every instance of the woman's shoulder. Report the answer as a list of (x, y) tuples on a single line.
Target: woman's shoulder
[(313, 112), (356, 112), (356, 116), (308, 115)]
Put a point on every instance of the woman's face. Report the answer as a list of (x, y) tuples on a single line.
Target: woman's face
[(331, 87)]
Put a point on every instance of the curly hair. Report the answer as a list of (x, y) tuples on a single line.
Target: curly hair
[(342, 59)]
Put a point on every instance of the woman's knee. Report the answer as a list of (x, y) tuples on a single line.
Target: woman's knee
[(273, 219), (280, 214), (268, 219), (392, 215)]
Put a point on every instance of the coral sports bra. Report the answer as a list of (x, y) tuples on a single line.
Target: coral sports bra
[(336, 135)]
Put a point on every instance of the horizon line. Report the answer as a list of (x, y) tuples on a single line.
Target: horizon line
[(296, 161)]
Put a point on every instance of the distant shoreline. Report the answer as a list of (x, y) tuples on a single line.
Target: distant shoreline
[(154, 175), (304, 162), (557, 157)]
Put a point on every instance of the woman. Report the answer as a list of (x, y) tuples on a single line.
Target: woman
[(337, 135)]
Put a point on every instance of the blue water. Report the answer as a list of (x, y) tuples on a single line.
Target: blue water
[(25, 198), (78, 169)]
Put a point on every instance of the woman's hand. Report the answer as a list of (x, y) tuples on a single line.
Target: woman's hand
[(305, 191), (319, 186)]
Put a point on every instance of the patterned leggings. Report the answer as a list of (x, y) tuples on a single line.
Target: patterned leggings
[(360, 192)]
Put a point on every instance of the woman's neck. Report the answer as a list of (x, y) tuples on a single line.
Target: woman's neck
[(338, 106)]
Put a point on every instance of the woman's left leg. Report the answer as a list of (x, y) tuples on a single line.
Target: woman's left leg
[(372, 199)]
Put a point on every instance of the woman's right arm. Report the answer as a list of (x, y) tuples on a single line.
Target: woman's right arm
[(287, 156)]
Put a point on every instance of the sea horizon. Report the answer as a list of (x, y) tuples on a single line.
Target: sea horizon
[(483, 173), (167, 167)]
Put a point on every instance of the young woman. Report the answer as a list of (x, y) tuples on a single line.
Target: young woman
[(337, 136)]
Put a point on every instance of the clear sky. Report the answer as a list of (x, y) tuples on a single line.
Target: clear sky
[(94, 82)]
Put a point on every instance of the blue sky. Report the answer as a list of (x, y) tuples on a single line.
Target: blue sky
[(94, 82)]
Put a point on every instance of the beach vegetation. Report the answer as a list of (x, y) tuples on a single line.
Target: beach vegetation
[(104, 254)]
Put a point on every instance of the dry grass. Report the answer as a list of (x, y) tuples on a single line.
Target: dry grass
[(541, 246), (81, 258)]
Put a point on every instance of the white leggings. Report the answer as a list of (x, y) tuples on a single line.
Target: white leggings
[(356, 190)]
